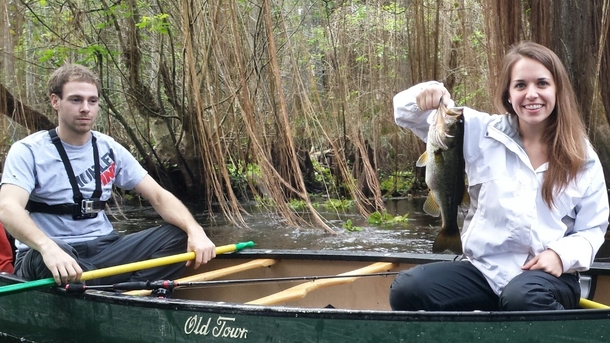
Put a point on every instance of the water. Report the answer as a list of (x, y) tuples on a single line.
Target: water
[(269, 231)]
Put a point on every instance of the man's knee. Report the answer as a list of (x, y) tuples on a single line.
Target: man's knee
[(30, 264), (171, 232)]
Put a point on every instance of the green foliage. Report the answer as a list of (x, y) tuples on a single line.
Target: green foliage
[(297, 204), (93, 52), (466, 97), (323, 175), (339, 204), (157, 23), (349, 226), (237, 169), (241, 175), (394, 20), (398, 182), (477, 39), (264, 201), (381, 218), (362, 59), (358, 16), (57, 54)]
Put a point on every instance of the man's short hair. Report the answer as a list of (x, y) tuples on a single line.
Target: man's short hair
[(68, 73)]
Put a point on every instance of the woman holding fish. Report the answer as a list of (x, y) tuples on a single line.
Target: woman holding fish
[(538, 208)]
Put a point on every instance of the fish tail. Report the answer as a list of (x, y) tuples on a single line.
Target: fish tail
[(448, 240)]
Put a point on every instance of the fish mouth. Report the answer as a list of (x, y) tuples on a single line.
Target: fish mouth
[(445, 119), (439, 131), (439, 124)]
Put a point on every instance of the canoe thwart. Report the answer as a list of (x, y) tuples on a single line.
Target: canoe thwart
[(300, 291)]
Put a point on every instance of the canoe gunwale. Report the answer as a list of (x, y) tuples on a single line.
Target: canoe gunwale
[(225, 308), (597, 268), (333, 255)]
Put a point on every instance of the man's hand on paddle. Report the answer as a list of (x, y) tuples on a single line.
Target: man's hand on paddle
[(63, 267), (203, 247)]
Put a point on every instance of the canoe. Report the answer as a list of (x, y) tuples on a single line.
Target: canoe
[(291, 297)]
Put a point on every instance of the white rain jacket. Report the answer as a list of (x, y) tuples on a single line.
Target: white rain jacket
[(508, 223)]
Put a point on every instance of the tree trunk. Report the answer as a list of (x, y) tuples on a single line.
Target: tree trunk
[(21, 113)]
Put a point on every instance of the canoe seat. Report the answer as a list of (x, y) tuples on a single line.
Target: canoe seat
[(215, 274), (300, 291)]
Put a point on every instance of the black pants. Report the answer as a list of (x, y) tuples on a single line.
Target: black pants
[(112, 250), (459, 286)]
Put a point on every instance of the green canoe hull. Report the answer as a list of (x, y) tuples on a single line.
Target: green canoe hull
[(52, 315)]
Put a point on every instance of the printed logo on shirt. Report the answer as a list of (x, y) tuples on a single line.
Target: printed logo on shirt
[(107, 171)]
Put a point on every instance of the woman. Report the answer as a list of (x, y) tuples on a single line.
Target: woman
[(539, 205)]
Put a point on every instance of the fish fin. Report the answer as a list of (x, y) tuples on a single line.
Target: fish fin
[(431, 206), (423, 160), (448, 241)]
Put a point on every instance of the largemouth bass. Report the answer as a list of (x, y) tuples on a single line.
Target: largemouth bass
[(445, 176)]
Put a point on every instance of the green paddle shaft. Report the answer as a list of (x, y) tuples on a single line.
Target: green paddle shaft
[(124, 268)]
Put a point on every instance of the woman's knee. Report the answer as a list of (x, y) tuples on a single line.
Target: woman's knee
[(405, 290), (535, 291), (514, 297)]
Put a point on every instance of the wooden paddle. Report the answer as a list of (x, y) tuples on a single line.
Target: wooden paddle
[(124, 268)]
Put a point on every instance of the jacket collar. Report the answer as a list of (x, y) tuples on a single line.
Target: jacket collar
[(505, 129), (508, 125)]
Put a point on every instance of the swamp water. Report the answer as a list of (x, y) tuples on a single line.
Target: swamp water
[(269, 231)]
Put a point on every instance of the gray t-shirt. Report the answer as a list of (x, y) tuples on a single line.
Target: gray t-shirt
[(34, 164)]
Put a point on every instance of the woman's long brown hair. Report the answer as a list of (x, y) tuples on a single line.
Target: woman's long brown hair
[(565, 134)]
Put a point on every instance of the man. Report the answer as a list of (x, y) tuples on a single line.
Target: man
[(63, 178)]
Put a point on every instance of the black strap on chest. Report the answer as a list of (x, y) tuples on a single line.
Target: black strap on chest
[(81, 208)]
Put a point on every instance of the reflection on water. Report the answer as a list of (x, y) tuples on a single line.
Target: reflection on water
[(269, 231)]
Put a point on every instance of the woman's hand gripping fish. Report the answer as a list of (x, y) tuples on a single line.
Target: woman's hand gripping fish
[(445, 175)]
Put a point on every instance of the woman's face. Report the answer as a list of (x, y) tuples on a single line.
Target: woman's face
[(532, 92)]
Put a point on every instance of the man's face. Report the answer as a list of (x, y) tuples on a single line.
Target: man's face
[(78, 108)]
